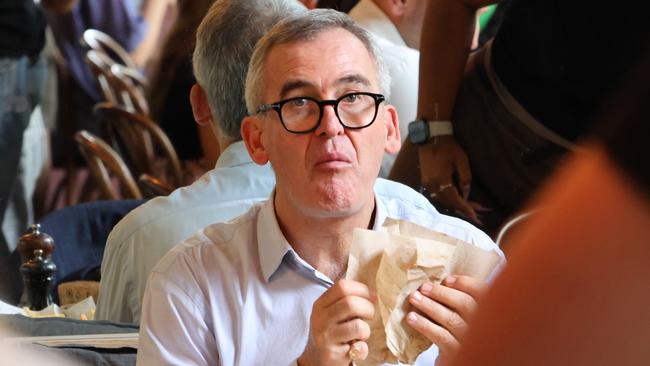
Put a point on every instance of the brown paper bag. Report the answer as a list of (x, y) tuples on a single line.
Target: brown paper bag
[(394, 263)]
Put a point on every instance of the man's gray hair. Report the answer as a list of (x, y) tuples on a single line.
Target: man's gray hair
[(304, 27), (224, 44)]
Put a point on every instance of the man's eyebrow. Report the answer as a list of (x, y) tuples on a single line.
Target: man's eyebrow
[(345, 80), (354, 79), (292, 85)]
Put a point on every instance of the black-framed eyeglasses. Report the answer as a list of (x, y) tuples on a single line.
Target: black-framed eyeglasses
[(303, 114)]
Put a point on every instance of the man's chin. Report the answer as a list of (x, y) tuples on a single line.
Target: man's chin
[(338, 200)]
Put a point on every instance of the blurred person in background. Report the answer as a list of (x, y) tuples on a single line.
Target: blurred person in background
[(224, 44), (137, 26), (518, 104), (171, 78), (397, 27), (22, 74), (576, 290)]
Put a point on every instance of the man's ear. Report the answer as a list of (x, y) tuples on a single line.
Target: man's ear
[(393, 138), (251, 133), (200, 106)]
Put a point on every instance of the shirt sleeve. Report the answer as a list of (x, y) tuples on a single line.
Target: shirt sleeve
[(173, 328)]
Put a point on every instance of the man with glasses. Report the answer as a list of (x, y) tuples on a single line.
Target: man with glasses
[(267, 287)]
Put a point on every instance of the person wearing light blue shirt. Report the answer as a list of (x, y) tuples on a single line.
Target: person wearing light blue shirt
[(267, 287), (142, 237)]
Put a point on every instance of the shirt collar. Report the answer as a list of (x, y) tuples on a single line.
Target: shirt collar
[(374, 20), (234, 155), (381, 213), (272, 245), (274, 249)]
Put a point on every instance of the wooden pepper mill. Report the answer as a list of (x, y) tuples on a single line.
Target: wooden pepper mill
[(28, 245), (38, 276), (34, 239)]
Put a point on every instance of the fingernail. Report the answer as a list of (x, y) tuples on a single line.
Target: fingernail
[(416, 296), (450, 280), (426, 287), (411, 317)]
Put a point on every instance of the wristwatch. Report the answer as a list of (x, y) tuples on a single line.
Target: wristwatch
[(421, 131)]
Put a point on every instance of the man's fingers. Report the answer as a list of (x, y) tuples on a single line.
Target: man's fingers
[(358, 351), (458, 301), (434, 332), (474, 287), (341, 289), (438, 313), (351, 307), (355, 329)]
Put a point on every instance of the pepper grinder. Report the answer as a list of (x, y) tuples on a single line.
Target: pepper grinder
[(38, 275), (34, 239)]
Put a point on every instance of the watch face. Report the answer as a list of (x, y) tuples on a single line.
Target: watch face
[(418, 132)]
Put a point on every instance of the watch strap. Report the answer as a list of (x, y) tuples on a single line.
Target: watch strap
[(440, 128)]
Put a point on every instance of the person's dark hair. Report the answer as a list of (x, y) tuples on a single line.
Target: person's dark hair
[(340, 5), (177, 48)]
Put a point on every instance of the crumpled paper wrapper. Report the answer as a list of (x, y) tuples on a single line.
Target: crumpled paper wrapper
[(395, 262)]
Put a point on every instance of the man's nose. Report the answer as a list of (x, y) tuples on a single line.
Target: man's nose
[(329, 124)]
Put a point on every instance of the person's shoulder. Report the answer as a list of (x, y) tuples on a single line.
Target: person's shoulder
[(216, 247), (214, 189), (463, 230), (404, 203), (401, 194), (158, 207)]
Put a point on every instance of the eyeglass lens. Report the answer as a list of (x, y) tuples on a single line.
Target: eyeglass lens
[(354, 110)]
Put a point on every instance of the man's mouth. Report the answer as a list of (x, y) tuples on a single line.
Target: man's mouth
[(333, 160)]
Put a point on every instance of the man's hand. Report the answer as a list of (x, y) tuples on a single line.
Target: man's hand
[(443, 312), (338, 325), (440, 158)]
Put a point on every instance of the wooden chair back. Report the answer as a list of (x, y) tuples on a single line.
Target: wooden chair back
[(142, 139), (103, 162), (100, 64), (100, 41), (152, 186), (130, 86)]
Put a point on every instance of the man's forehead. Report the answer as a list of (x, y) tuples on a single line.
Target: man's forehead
[(291, 84), (342, 54)]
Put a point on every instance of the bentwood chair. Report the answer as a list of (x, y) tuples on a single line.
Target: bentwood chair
[(103, 162), (130, 85), (102, 42), (100, 65), (148, 148)]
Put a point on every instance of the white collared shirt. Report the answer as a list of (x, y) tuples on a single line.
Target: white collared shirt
[(403, 65), (237, 293), (143, 236)]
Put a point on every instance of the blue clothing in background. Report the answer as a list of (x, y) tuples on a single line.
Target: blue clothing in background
[(117, 18)]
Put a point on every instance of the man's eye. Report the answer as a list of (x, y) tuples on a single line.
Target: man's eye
[(298, 102), (351, 98)]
